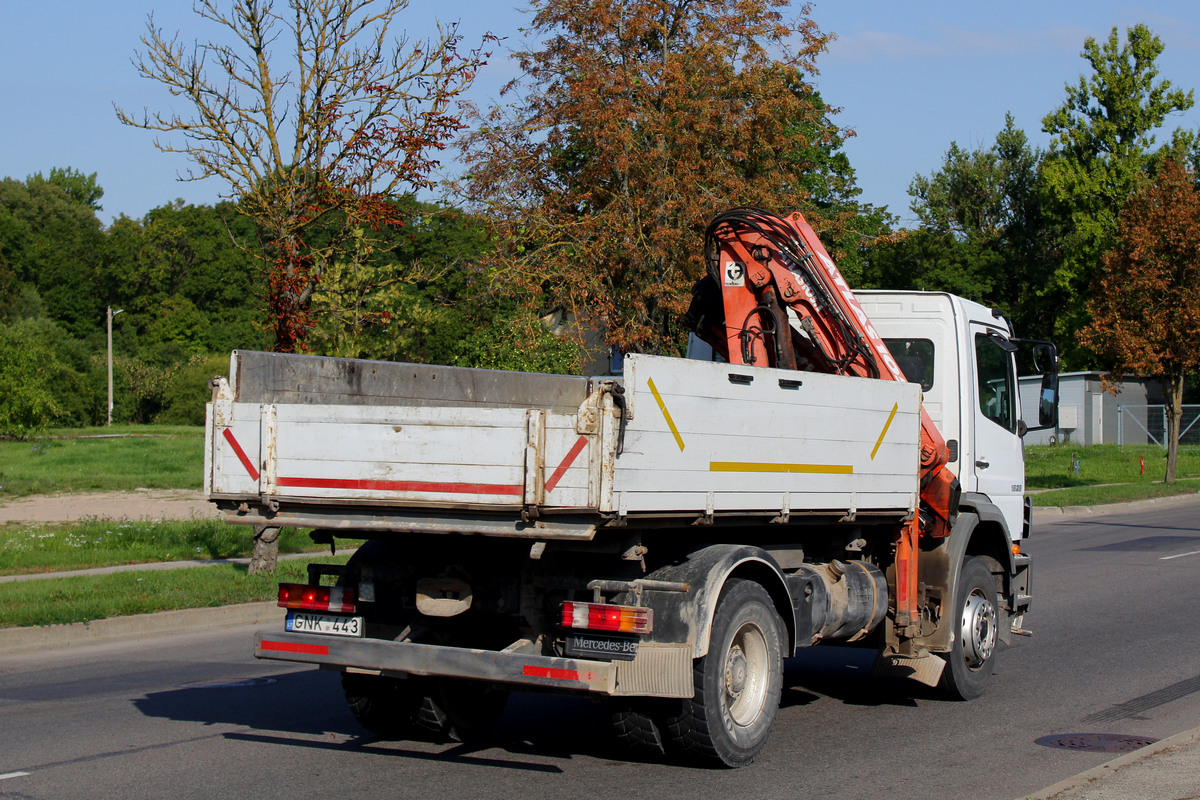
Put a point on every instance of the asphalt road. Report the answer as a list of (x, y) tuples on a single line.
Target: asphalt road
[(1116, 650)]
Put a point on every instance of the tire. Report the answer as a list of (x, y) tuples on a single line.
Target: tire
[(970, 662), (638, 723), (738, 682), (407, 708), (460, 710), (387, 707)]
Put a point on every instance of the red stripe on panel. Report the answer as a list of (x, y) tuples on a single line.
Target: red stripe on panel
[(551, 672), (291, 647), (566, 464), (241, 454), (401, 486)]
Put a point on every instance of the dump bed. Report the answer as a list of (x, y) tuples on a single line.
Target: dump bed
[(351, 444)]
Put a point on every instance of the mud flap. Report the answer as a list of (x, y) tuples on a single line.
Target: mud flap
[(926, 669)]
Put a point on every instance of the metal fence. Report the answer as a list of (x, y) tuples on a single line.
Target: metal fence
[(1150, 421)]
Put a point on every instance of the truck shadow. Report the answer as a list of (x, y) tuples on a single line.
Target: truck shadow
[(306, 710), (304, 702), (846, 675)]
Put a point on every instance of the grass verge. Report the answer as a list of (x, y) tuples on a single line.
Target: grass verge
[(106, 542), (1053, 466), (103, 459), (1114, 493), (1063, 475), (84, 598)]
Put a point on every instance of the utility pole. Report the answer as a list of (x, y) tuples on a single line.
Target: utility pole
[(111, 314)]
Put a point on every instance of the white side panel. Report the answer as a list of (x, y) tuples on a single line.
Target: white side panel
[(423, 455), (700, 440)]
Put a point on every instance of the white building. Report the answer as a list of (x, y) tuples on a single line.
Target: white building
[(1089, 415)]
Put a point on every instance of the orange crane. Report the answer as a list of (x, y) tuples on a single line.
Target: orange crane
[(774, 298)]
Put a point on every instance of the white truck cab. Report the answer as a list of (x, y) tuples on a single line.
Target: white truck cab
[(962, 355)]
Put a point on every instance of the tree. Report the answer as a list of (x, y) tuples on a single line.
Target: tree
[(318, 137), (185, 252), (1146, 310), (53, 242), (81, 188), (1101, 151), (984, 233), (47, 379), (637, 122)]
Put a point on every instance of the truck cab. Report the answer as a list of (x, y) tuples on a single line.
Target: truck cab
[(963, 355)]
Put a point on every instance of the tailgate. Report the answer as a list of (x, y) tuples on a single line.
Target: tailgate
[(306, 429), (447, 457)]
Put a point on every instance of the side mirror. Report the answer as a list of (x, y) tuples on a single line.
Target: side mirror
[(1048, 401), (1043, 357)]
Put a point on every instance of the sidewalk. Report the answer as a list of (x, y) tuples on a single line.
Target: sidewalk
[(156, 565), (1166, 770)]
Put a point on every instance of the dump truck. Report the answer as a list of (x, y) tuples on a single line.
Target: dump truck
[(825, 468)]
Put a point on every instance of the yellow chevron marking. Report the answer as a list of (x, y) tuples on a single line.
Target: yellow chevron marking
[(666, 414), (883, 432)]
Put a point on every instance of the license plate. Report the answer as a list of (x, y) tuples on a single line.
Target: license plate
[(328, 624), (610, 648)]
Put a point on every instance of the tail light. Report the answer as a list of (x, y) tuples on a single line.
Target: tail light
[(303, 597), (602, 617)]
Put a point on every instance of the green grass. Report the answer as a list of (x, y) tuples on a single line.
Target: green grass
[(123, 458), (83, 598), (1107, 474), (105, 542), (1049, 466), (1115, 493)]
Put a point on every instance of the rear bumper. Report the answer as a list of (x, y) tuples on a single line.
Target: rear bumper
[(517, 669)]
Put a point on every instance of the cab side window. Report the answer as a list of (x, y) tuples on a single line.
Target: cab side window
[(915, 359), (997, 390)]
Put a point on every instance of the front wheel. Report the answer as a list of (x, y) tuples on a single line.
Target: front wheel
[(738, 682), (972, 658)]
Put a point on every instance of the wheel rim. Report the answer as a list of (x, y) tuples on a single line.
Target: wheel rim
[(746, 674), (978, 629)]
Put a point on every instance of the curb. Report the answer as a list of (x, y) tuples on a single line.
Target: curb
[(15, 641), (1113, 508), (1063, 788)]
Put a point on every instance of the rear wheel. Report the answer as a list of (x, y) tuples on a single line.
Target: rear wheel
[(462, 711), (738, 682), (638, 724), (387, 707), (972, 658)]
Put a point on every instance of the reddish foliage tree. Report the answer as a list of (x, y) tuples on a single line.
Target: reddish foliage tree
[(638, 121), (1146, 309)]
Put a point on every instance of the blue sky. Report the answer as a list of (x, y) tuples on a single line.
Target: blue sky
[(909, 76)]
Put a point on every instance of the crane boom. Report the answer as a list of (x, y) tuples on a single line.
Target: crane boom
[(783, 303)]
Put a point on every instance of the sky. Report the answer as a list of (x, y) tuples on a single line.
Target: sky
[(911, 76)]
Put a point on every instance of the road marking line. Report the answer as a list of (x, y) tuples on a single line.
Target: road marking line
[(8, 775), (1180, 555)]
